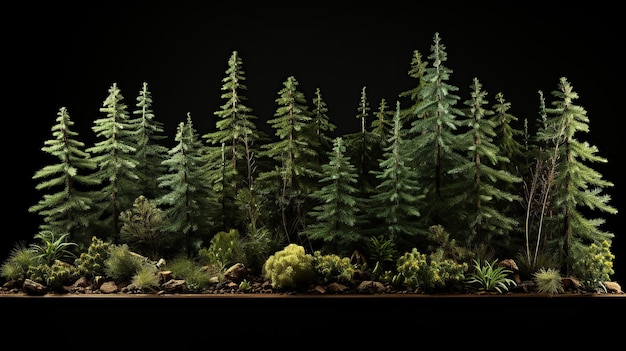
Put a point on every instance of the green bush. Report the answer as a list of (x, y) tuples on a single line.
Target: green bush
[(548, 281), (122, 264), (332, 268), (428, 273), (197, 277), (593, 265), (15, 267), (490, 277), (289, 268), (54, 276), (225, 249), (91, 263), (147, 278)]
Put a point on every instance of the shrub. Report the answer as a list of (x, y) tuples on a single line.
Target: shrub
[(197, 277), (490, 277), (289, 268), (428, 273), (91, 263), (548, 281), (593, 265), (146, 278), (15, 267), (122, 264), (51, 247), (332, 268), (225, 249)]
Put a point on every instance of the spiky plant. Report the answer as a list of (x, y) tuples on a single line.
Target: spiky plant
[(548, 281)]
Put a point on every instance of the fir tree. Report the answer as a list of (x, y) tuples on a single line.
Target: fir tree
[(397, 196), (336, 216), (290, 154), (479, 191), (236, 130), (434, 133), (67, 209), (322, 126), (115, 157), (577, 189), (150, 152), (188, 211), (416, 71)]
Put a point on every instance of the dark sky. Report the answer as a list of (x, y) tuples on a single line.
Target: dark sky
[(59, 55)]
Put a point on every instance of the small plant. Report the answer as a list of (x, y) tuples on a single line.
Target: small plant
[(490, 277), (244, 286), (91, 263), (52, 247), (382, 251), (196, 277), (122, 264), (289, 268), (20, 259), (594, 265), (146, 279), (332, 268), (548, 281)]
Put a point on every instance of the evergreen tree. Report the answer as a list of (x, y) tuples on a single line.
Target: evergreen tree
[(336, 216), (434, 135), (150, 152), (115, 157), (67, 209), (479, 191), (577, 189), (186, 204), (397, 193), (237, 131), (416, 99), (321, 127), (290, 154)]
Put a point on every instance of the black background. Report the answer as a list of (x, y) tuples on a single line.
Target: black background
[(65, 55)]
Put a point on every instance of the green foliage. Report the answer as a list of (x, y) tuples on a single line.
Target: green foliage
[(382, 251), (21, 257), (593, 265), (51, 247), (245, 286), (412, 267), (289, 268), (92, 262), (146, 278), (142, 228), (225, 249), (545, 259), (122, 264), (54, 276), (258, 245), (490, 277), (332, 268), (548, 281), (429, 273), (196, 277)]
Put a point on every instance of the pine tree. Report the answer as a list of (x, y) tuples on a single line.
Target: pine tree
[(577, 189), (67, 209), (416, 71), (321, 127), (292, 158), (336, 216), (237, 131), (480, 190), (188, 211), (150, 152), (434, 134), (397, 195), (115, 157)]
